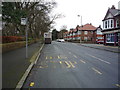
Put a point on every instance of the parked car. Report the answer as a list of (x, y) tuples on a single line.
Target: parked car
[(100, 42), (60, 40)]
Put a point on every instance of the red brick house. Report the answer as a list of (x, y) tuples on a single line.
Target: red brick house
[(111, 26), (85, 33), (99, 35)]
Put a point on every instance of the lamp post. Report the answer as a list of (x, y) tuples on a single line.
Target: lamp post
[(24, 22), (81, 19), (81, 25)]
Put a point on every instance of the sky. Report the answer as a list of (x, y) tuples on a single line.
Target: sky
[(92, 11)]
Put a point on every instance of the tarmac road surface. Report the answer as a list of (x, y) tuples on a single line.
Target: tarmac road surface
[(68, 65)]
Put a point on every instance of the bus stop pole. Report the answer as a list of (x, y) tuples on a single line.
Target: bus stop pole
[(27, 41)]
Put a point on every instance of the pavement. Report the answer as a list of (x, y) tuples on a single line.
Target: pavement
[(14, 64), (114, 49), (69, 65)]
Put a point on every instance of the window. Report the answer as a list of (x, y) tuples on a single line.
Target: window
[(105, 24), (86, 32), (111, 23), (117, 23), (79, 32), (99, 37), (108, 23), (78, 38), (85, 38), (91, 32), (110, 37)]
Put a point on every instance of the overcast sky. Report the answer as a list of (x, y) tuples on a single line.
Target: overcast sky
[(92, 11)]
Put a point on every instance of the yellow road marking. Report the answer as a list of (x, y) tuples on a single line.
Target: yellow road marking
[(68, 65), (60, 62), (117, 85), (50, 57), (99, 59), (32, 84), (58, 57), (96, 71), (71, 64), (75, 56), (46, 57), (75, 62), (82, 61)]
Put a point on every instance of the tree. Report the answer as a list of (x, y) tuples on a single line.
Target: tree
[(54, 34), (37, 13)]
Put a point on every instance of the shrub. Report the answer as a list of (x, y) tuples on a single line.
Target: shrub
[(8, 39)]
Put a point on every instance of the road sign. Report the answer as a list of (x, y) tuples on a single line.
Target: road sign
[(23, 21)]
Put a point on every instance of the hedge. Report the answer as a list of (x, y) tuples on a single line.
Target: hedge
[(9, 39)]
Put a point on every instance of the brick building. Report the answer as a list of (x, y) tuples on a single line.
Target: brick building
[(111, 26), (85, 33)]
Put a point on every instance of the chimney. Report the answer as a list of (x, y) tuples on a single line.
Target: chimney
[(119, 5), (113, 7)]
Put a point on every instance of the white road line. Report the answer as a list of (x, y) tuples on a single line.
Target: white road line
[(82, 61), (96, 71), (75, 56), (99, 59)]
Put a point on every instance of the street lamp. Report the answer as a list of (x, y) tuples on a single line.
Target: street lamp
[(24, 22), (80, 18), (81, 25)]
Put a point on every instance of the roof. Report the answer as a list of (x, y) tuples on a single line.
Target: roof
[(88, 27), (118, 13), (84, 27), (113, 11), (74, 30)]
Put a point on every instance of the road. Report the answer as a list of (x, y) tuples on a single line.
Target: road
[(69, 65)]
